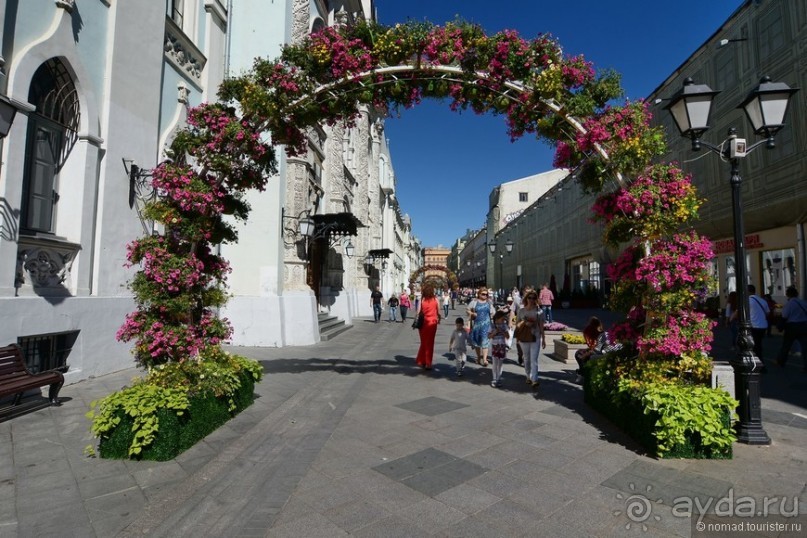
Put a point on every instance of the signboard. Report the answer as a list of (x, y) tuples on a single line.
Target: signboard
[(727, 245)]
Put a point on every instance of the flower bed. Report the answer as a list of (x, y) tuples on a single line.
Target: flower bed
[(173, 406), (670, 420), (177, 431)]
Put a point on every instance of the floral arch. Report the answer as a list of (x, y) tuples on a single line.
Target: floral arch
[(334, 74), (450, 276)]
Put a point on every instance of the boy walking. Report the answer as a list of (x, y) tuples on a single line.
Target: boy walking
[(458, 345)]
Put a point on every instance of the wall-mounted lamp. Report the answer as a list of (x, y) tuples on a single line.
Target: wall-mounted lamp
[(305, 226), (349, 249), (724, 42), (141, 192), (7, 114)]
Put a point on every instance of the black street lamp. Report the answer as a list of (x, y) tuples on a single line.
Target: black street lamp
[(508, 247), (765, 107)]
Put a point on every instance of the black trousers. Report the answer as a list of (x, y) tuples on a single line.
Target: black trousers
[(793, 332), (758, 335)]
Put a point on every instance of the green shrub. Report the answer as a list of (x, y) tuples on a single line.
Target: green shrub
[(670, 419), (173, 407), (176, 433)]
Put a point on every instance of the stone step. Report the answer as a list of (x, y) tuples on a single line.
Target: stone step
[(330, 326)]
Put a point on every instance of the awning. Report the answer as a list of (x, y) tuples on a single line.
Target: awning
[(379, 253), (336, 224)]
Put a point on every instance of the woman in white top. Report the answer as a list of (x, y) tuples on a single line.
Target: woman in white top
[(533, 316)]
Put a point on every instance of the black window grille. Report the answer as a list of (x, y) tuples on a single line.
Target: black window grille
[(43, 352)]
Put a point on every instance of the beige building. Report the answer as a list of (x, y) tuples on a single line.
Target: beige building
[(554, 240), (435, 256), (760, 38)]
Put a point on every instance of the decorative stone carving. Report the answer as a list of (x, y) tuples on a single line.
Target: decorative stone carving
[(300, 16), (183, 93), (182, 53), (66, 5), (43, 265), (342, 18)]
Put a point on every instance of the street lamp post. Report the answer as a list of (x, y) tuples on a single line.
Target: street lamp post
[(508, 247), (766, 108)]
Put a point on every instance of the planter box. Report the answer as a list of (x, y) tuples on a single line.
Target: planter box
[(629, 414), (564, 352)]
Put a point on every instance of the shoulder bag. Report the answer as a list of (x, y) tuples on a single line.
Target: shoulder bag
[(418, 323), (523, 332)]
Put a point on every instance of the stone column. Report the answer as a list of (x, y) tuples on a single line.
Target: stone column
[(294, 262)]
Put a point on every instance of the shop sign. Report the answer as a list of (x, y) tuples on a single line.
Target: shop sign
[(727, 245)]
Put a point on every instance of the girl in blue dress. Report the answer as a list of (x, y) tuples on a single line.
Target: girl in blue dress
[(480, 312)]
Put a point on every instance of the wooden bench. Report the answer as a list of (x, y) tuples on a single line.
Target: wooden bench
[(16, 379)]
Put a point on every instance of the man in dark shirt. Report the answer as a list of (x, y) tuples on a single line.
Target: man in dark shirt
[(375, 299)]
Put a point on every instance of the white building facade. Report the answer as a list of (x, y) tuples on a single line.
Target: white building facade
[(99, 88)]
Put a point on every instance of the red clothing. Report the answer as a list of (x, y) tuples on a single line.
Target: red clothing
[(545, 297), (431, 309)]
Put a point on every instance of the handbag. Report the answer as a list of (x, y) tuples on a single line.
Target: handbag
[(418, 323), (523, 332)]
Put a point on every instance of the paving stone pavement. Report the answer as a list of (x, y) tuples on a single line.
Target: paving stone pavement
[(349, 438)]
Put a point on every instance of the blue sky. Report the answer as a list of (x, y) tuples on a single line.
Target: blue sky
[(446, 163)]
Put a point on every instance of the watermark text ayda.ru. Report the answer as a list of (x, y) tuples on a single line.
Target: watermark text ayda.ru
[(731, 506)]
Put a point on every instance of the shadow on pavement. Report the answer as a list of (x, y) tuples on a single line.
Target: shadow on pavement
[(556, 386)]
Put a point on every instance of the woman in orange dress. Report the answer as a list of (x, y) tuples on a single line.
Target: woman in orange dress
[(430, 307)]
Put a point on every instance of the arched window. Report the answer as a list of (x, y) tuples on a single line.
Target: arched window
[(318, 25), (52, 131)]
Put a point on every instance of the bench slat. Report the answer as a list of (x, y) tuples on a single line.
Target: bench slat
[(16, 379)]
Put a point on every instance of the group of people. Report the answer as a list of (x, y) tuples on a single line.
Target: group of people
[(762, 315), (491, 332), (395, 305)]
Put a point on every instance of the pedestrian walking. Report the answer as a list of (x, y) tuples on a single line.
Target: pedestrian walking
[(431, 317), (530, 334), (759, 318), (404, 305), (458, 345), (453, 298), (375, 300), (498, 340), (392, 304), (545, 298), (480, 310), (446, 303), (794, 315)]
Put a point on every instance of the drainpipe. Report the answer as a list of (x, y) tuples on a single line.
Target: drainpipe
[(801, 253)]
